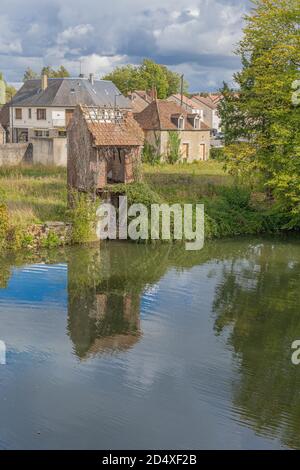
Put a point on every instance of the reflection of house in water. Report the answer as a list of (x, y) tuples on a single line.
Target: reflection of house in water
[(103, 315)]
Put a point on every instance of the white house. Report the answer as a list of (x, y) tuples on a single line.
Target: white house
[(42, 109)]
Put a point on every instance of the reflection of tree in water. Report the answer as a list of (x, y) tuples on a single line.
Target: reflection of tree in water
[(259, 300)]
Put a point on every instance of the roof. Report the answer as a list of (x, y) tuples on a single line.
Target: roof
[(125, 132), (69, 92), (204, 100), (159, 116), (139, 100), (185, 100)]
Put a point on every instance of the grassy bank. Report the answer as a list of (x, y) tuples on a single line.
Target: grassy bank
[(34, 195)]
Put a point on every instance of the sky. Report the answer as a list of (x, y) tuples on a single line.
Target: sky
[(193, 37)]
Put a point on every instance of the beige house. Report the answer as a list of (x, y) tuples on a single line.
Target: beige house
[(210, 114), (162, 117)]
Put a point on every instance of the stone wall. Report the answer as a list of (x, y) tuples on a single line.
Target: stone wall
[(49, 151), (14, 154)]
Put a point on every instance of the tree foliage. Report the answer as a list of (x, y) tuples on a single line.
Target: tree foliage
[(61, 72), (261, 121), (146, 76)]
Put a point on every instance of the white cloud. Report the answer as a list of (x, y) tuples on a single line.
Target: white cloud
[(200, 33), (74, 32)]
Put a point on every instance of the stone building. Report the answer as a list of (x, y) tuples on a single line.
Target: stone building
[(162, 117), (2, 135), (104, 146)]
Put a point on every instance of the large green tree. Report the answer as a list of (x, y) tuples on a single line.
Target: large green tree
[(146, 76), (261, 120)]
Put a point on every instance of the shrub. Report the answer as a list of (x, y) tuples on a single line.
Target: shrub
[(83, 217), (150, 154), (173, 147)]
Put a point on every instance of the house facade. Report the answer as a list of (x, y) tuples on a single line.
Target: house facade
[(104, 146), (186, 103), (210, 113), (42, 109), (163, 117)]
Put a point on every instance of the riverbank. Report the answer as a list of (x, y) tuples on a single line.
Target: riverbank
[(33, 196)]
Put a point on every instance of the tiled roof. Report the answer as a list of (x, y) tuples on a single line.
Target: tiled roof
[(69, 92), (185, 100), (204, 100), (158, 116), (127, 132)]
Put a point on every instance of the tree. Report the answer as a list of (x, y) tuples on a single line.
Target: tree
[(10, 90), (29, 74), (61, 72), (261, 122), (146, 76)]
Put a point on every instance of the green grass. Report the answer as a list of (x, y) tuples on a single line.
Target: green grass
[(186, 182), (38, 194), (34, 194)]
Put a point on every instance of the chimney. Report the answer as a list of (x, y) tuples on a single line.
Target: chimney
[(91, 79), (44, 82)]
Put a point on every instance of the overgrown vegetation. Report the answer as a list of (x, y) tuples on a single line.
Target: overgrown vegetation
[(82, 216), (261, 121), (34, 195), (174, 144)]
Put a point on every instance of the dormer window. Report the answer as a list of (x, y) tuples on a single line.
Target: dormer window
[(197, 122), (181, 123)]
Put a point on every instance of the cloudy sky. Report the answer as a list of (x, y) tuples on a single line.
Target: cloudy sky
[(194, 37)]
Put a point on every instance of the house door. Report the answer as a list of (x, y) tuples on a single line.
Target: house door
[(202, 151), (69, 115), (185, 151)]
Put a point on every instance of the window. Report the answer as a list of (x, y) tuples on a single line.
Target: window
[(29, 113), (18, 113), (197, 122), (181, 122), (41, 115), (41, 133), (62, 133)]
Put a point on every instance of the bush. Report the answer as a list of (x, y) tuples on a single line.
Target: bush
[(150, 154), (4, 223), (173, 147), (217, 153), (83, 217)]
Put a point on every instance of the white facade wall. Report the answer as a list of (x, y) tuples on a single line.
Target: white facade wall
[(55, 117)]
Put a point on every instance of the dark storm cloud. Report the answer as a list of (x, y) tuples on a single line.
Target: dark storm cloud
[(196, 37)]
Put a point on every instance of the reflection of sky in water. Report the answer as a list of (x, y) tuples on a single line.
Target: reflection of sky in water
[(173, 389), (35, 284)]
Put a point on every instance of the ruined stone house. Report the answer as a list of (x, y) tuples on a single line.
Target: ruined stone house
[(104, 146)]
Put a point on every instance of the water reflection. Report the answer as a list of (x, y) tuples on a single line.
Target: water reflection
[(258, 300), (103, 314), (235, 301)]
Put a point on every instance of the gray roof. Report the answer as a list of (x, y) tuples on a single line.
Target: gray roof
[(69, 92)]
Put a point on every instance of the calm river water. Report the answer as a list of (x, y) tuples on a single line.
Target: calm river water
[(132, 346)]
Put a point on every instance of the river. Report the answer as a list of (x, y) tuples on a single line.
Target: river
[(151, 347)]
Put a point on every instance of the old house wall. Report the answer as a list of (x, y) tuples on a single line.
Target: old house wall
[(82, 156), (198, 143), (2, 136)]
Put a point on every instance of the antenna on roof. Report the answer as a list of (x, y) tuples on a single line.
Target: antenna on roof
[(181, 89)]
